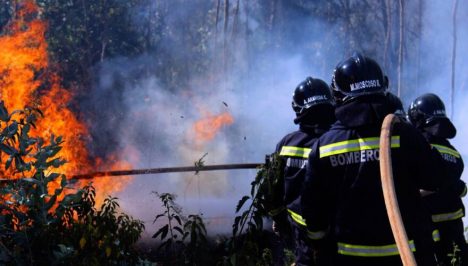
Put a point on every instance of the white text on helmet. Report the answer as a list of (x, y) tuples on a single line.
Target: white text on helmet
[(315, 98), (439, 112), (365, 84)]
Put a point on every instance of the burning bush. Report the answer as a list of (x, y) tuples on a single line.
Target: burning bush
[(39, 227)]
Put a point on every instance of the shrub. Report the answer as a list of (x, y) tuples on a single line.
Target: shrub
[(40, 224)]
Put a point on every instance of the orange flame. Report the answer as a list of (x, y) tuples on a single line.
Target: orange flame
[(26, 79), (206, 128)]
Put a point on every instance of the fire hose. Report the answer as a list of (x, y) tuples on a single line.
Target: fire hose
[(159, 170), (388, 187), (168, 170)]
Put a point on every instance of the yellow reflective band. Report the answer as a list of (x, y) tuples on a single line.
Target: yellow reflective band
[(371, 251), (443, 217), (295, 151), (276, 211), (463, 193), (297, 218), (355, 145), (316, 235), (436, 235), (446, 150)]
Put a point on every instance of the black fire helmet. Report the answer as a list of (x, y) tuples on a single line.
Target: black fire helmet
[(428, 111), (397, 105), (356, 76), (310, 92)]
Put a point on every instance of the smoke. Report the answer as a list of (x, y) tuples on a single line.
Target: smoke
[(135, 110), (133, 106), (435, 67)]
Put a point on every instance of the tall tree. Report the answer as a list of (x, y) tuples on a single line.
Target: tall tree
[(401, 46), (454, 56)]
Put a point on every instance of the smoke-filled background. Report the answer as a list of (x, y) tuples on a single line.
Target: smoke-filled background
[(167, 83)]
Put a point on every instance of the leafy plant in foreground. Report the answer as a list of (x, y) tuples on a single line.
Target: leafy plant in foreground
[(183, 239), (246, 247), (40, 224)]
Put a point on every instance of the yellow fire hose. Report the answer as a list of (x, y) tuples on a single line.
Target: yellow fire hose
[(388, 187)]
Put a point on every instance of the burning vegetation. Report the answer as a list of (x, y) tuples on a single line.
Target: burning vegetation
[(28, 80)]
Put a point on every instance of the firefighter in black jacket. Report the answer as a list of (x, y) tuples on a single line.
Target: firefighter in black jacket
[(427, 113), (313, 104), (398, 109), (342, 195)]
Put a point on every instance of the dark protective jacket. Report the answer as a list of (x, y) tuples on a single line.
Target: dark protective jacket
[(447, 205), (342, 192), (293, 150)]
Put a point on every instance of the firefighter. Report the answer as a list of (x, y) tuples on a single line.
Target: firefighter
[(313, 104), (398, 110), (342, 196), (427, 113)]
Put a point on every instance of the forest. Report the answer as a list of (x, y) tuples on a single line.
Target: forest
[(106, 85)]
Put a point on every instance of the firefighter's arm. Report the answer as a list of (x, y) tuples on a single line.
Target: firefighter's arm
[(314, 202), (456, 187), (429, 165)]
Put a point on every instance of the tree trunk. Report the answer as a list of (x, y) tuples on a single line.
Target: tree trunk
[(387, 15), (225, 34), (247, 36), (454, 57), (418, 56), (217, 19), (400, 48), (235, 23), (272, 19)]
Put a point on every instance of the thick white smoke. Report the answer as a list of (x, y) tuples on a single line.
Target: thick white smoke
[(436, 69), (158, 122)]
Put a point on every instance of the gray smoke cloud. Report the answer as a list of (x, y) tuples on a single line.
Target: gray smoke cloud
[(157, 122), (436, 69), (158, 125)]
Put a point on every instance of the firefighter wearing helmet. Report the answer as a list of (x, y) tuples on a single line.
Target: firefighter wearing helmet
[(398, 109), (342, 196), (427, 113), (313, 104)]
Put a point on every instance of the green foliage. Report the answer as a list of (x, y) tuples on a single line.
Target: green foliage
[(183, 240), (41, 225), (245, 247), (455, 259), (82, 33)]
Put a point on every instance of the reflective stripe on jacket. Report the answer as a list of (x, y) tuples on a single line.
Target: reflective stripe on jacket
[(450, 216), (297, 218), (371, 251), (360, 144), (446, 150), (295, 151)]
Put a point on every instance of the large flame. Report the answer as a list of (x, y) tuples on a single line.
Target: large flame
[(208, 126), (26, 78)]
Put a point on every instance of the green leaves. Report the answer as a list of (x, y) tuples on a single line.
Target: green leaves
[(38, 223), (4, 116), (241, 203), (10, 130), (162, 232), (183, 240)]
